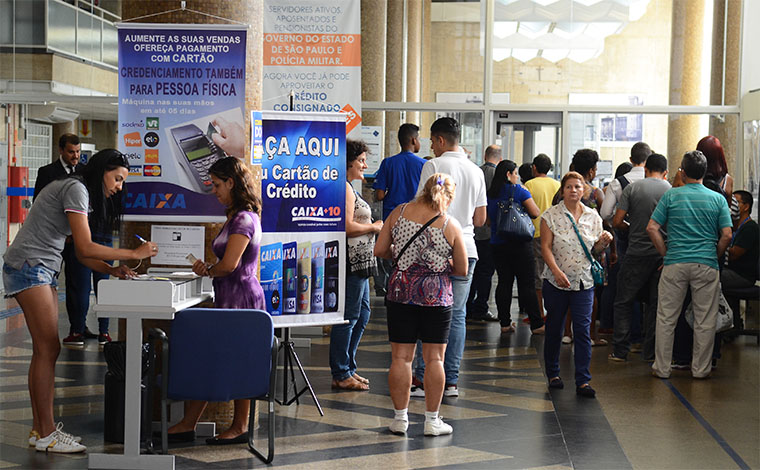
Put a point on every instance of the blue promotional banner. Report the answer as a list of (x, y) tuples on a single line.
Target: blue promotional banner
[(181, 108), (303, 192), (303, 172)]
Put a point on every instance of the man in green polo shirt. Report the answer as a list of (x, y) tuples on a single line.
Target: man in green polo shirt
[(698, 224)]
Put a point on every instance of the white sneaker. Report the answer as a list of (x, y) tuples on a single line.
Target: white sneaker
[(34, 435), (567, 339), (451, 391), (437, 428), (399, 426), (59, 442), (417, 392)]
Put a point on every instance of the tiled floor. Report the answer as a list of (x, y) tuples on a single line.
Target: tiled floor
[(505, 416)]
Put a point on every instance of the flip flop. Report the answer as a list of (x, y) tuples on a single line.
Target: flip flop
[(350, 384), (360, 379)]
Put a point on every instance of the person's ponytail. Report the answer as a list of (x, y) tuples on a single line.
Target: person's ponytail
[(438, 192)]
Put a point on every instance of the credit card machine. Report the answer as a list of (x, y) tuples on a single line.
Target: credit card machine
[(199, 152)]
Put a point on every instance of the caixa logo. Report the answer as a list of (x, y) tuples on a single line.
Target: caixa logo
[(155, 201)]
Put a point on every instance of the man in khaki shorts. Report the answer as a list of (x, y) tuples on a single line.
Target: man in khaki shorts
[(543, 189)]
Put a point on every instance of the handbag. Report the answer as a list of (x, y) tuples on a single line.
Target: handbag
[(422, 229), (724, 321), (597, 271), (512, 222)]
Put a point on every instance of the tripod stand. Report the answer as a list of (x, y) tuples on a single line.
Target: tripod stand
[(290, 356)]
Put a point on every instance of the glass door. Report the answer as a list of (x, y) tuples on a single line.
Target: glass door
[(524, 134)]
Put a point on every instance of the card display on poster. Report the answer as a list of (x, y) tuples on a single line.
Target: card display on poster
[(303, 169), (181, 108)]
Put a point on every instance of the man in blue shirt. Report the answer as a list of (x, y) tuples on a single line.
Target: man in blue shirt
[(698, 224), (396, 183)]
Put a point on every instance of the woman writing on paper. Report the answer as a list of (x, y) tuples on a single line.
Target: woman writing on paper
[(33, 261), (234, 277)]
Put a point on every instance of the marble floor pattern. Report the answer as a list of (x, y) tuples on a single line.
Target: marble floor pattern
[(505, 416)]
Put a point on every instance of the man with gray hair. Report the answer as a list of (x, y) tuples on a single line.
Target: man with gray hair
[(698, 224)]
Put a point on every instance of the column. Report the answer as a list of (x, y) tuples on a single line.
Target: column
[(373, 17), (245, 11), (394, 72), (726, 92), (413, 56), (685, 77)]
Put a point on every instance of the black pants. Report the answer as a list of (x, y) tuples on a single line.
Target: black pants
[(516, 259), (480, 289)]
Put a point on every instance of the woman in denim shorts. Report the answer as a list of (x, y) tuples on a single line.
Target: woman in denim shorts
[(68, 206)]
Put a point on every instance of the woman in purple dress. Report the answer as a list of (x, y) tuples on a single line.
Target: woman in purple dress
[(234, 276)]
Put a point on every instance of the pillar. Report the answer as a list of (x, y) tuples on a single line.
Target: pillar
[(685, 77), (394, 72), (726, 93), (413, 56), (244, 11), (373, 17)]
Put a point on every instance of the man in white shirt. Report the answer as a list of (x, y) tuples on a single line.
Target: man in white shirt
[(639, 154), (469, 209)]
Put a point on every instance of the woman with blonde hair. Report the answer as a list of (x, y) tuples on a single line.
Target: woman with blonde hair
[(426, 247)]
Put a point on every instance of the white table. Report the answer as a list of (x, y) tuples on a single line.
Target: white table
[(135, 301)]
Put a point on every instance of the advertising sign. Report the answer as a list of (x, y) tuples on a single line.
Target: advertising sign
[(181, 108), (314, 50), (303, 186)]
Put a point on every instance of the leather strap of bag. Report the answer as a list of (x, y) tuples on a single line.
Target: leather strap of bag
[(414, 237)]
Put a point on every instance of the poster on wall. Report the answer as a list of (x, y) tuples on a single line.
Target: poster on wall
[(313, 49), (181, 108), (303, 189)]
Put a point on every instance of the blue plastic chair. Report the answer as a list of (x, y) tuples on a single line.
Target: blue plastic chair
[(221, 355)]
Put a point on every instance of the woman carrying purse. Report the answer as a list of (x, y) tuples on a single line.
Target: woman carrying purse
[(512, 245)]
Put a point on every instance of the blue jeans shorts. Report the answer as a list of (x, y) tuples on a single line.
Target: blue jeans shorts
[(19, 280)]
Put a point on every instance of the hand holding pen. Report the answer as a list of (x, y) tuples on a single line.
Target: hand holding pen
[(146, 249)]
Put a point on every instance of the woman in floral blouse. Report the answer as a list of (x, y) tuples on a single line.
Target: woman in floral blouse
[(567, 278)]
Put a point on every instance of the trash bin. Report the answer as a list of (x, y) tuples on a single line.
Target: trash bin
[(113, 425)]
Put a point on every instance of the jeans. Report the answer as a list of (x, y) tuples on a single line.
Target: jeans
[(461, 288), (79, 280), (580, 303), (480, 290), (344, 339), (636, 273), (516, 259)]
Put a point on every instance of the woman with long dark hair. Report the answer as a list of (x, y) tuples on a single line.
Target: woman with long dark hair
[(237, 248), (33, 261), (513, 257)]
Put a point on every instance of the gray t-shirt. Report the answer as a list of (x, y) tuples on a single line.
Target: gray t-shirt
[(639, 200), (41, 238)]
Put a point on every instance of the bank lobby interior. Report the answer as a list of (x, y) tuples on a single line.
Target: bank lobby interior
[(534, 76)]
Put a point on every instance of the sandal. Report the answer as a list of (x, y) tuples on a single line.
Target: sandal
[(508, 329), (349, 384), (360, 379), (599, 342)]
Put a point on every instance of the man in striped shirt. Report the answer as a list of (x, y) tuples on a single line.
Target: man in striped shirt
[(698, 224)]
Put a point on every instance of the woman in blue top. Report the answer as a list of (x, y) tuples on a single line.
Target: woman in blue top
[(513, 257)]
